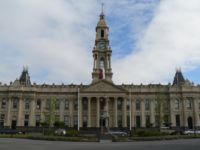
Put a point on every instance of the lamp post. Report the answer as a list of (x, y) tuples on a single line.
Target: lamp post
[(130, 128)]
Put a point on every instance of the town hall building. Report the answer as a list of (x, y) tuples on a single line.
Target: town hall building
[(101, 103)]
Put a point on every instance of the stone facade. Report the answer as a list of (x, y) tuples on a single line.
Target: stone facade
[(102, 103)]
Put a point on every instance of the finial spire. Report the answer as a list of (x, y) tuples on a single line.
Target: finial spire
[(102, 8)]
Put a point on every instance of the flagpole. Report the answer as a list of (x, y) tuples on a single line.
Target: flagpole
[(130, 109), (78, 109)]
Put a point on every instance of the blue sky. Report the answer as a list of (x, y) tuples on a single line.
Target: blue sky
[(149, 39)]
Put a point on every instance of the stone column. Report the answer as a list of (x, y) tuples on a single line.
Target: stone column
[(196, 112), (71, 112), (143, 123), (115, 112), (107, 112), (98, 115), (42, 109), (32, 113), (133, 113), (124, 118), (89, 112), (80, 113), (152, 112), (8, 116), (62, 109), (172, 115), (20, 119), (184, 117)]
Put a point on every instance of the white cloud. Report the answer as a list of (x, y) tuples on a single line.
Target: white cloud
[(49, 36), (55, 39), (171, 40)]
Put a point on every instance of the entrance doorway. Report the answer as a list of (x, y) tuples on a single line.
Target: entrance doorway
[(190, 123), (103, 122), (14, 124)]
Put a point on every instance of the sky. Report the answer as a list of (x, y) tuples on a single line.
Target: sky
[(150, 39)]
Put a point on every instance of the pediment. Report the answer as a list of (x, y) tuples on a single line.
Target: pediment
[(103, 86)]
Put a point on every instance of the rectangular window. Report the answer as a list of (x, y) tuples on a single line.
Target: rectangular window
[(128, 121), (166, 105), (138, 124), (2, 118), (66, 104), (26, 120), (75, 104), (75, 120), (57, 104), (84, 121), (85, 104), (199, 104), (178, 120), (47, 104), (3, 104), (66, 120), (128, 105), (137, 105), (156, 106), (147, 104), (176, 104), (15, 103), (157, 120), (27, 103), (166, 120), (119, 120), (119, 104), (148, 123), (189, 103), (37, 118)]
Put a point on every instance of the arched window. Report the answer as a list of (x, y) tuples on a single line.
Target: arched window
[(102, 33), (102, 63), (38, 104), (102, 69), (176, 104)]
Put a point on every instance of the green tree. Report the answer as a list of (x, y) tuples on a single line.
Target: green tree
[(59, 124), (160, 104), (50, 114)]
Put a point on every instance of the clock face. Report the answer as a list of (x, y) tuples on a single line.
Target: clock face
[(102, 46)]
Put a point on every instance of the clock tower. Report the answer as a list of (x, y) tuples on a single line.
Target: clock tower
[(102, 53)]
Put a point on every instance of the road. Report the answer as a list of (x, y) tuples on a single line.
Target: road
[(23, 144)]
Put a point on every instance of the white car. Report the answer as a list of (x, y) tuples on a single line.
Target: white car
[(60, 132), (191, 131)]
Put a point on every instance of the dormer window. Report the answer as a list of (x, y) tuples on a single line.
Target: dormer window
[(102, 33)]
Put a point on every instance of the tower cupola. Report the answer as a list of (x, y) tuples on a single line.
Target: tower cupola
[(102, 52)]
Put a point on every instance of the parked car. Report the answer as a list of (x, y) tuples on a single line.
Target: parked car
[(11, 131), (60, 132), (118, 133), (191, 131)]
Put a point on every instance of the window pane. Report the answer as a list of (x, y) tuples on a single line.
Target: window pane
[(137, 104), (3, 104), (66, 104)]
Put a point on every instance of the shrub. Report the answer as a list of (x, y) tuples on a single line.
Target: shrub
[(72, 133), (147, 133)]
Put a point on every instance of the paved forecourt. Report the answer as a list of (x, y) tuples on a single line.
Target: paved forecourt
[(23, 144)]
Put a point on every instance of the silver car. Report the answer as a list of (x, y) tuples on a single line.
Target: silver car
[(118, 133)]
